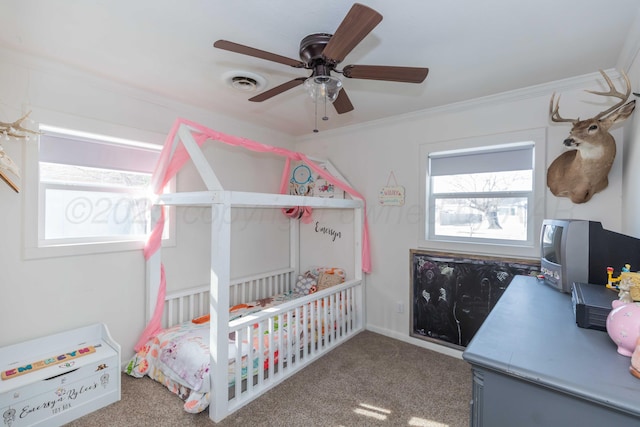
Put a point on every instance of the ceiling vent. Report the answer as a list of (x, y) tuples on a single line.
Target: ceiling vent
[(245, 81)]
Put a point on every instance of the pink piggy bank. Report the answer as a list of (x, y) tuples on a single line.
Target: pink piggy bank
[(623, 326)]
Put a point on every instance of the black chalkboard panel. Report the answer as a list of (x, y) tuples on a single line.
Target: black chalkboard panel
[(452, 294)]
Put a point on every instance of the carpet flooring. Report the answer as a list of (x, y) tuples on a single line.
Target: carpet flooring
[(370, 380)]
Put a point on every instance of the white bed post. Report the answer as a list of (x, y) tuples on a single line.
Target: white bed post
[(220, 277), (219, 307), (358, 225), (294, 248)]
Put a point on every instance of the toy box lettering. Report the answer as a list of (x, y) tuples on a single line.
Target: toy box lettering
[(61, 403), (28, 410)]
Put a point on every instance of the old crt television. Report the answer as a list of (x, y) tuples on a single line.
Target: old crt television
[(574, 250)]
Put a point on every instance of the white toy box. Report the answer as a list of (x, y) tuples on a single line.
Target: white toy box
[(55, 379)]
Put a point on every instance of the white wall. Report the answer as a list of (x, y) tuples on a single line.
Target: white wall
[(255, 232), (42, 296), (393, 145), (631, 153)]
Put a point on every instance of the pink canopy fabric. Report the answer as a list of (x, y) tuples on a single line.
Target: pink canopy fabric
[(173, 159)]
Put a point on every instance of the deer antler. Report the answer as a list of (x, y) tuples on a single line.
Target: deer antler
[(553, 111), (15, 129), (554, 104), (613, 92)]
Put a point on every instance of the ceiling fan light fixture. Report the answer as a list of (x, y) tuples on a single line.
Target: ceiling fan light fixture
[(323, 88)]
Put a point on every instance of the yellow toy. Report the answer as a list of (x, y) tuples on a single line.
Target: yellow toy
[(611, 280), (627, 283)]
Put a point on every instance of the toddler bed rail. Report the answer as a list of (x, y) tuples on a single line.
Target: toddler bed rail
[(188, 304), (267, 346)]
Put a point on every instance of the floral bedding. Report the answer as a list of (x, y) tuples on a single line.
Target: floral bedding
[(178, 357)]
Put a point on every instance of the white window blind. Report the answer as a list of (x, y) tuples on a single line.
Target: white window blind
[(504, 158), (68, 150), (93, 188)]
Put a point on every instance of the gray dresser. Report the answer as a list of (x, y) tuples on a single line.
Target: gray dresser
[(533, 366)]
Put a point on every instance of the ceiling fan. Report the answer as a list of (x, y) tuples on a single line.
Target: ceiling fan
[(321, 53)]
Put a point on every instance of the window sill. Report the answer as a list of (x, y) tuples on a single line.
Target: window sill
[(512, 251), (77, 249)]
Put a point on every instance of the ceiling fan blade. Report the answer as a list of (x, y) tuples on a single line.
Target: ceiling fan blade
[(246, 50), (354, 27), (342, 103), (278, 90), (382, 72)]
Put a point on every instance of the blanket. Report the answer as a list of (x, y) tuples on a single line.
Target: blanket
[(178, 357)]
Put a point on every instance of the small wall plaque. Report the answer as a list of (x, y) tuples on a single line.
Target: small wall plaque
[(391, 195)]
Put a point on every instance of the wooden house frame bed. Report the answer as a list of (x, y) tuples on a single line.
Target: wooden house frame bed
[(318, 322)]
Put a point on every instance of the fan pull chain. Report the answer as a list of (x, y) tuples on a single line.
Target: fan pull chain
[(315, 130), (325, 118)]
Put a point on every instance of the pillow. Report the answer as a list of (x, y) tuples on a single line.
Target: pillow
[(327, 280), (317, 271), (305, 284)]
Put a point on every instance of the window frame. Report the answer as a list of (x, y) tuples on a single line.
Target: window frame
[(536, 202), (34, 246), (44, 186)]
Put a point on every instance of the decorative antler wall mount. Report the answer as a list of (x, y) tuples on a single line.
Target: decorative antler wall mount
[(18, 131)]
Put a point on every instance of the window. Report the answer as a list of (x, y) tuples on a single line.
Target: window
[(483, 193), (92, 190)]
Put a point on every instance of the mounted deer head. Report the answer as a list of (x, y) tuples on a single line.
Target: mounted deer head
[(583, 171)]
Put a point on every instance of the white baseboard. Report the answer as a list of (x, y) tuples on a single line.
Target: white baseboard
[(415, 341)]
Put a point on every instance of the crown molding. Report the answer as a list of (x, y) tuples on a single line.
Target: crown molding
[(544, 89)]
